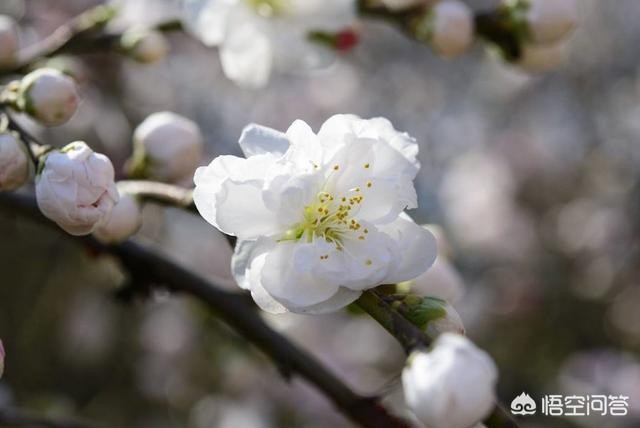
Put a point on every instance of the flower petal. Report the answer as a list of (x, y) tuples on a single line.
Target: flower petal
[(228, 194), (208, 19), (289, 277), (418, 248), (258, 139)]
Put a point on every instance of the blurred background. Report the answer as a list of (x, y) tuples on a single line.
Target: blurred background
[(534, 180)]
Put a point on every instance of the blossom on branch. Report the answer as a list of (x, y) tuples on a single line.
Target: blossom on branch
[(256, 37), (319, 217), (14, 162), (453, 385), (75, 188)]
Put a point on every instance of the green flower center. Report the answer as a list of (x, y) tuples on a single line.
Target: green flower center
[(330, 217)]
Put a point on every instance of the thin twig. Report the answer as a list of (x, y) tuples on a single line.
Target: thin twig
[(234, 310)]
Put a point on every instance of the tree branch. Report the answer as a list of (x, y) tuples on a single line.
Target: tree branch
[(234, 310)]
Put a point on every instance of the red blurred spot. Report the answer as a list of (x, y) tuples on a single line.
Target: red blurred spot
[(346, 40)]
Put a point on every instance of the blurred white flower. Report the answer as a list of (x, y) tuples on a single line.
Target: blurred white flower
[(319, 218), (49, 96), (9, 42), (258, 36), (551, 20), (542, 58), (453, 385), (2, 354), (14, 162), (145, 46), (124, 221), (452, 27), (75, 188), (167, 146)]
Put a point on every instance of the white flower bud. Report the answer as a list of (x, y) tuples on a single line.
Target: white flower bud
[(9, 42), (14, 162), (75, 188), (124, 221), (453, 28), (402, 4), (2, 354), (453, 385), (432, 315), (551, 20), (145, 46), (542, 58), (168, 146), (49, 96)]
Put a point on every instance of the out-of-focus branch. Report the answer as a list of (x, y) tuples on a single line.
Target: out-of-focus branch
[(83, 34), (24, 418), (411, 337), (234, 309)]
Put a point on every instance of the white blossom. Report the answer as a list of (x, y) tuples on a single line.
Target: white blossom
[(9, 42), (551, 20), (49, 96), (319, 217), (453, 385), (125, 220), (170, 146), (257, 36), (453, 27), (14, 162), (75, 188)]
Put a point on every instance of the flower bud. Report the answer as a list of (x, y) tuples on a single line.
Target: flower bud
[(551, 20), (434, 316), (542, 58), (14, 162), (9, 42), (49, 96), (75, 188), (2, 354), (452, 386), (124, 221), (145, 46), (448, 27), (167, 147)]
